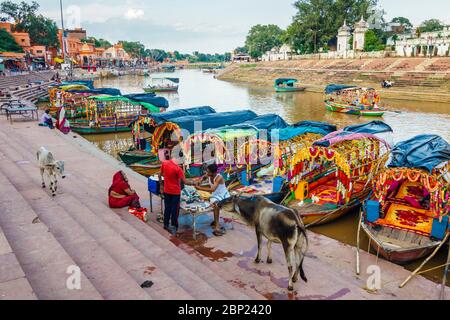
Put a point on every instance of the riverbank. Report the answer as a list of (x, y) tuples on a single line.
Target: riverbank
[(41, 236), (414, 78)]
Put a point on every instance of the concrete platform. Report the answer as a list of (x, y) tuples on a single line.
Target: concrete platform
[(41, 236)]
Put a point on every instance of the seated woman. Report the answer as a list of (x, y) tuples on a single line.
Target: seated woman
[(120, 193), (219, 193), (46, 120)]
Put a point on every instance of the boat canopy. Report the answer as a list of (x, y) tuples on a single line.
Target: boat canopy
[(212, 121), (149, 98), (285, 81), (99, 91), (374, 127), (303, 127), (174, 80), (424, 152), (265, 122), (106, 98), (161, 118), (337, 87), (87, 83)]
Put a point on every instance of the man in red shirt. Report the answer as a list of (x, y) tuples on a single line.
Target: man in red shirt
[(171, 188)]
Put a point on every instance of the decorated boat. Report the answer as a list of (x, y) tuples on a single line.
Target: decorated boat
[(287, 85), (353, 100), (406, 216), (166, 134), (108, 114), (332, 176), (163, 85), (143, 127)]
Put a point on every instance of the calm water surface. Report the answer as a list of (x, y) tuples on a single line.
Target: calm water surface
[(408, 118)]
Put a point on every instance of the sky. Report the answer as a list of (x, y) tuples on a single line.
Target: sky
[(210, 26)]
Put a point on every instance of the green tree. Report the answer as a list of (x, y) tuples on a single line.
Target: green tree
[(19, 12), (404, 22), (43, 31), (156, 54), (242, 50), (316, 23), (262, 38), (373, 42), (431, 25), (133, 48), (7, 42), (98, 43)]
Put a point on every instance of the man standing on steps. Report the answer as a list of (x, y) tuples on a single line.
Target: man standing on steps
[(171, 189)]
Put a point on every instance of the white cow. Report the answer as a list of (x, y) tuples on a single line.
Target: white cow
[(53, 168)]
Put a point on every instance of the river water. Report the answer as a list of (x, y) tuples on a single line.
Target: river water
[(407, 118)]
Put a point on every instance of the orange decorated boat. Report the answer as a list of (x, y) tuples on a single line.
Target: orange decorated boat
[(332, 177), (406, 216)]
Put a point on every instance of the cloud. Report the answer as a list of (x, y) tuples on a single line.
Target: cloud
[(132, 14)]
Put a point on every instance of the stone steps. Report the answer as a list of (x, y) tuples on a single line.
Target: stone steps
[(13, 282), (40, 255), (202, 287)]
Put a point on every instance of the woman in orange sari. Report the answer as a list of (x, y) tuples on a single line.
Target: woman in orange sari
[(120, 193)]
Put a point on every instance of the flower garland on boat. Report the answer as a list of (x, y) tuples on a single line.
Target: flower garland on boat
[(159, 133), (435, 184), (220, 148)]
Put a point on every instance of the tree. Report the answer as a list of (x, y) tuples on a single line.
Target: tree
[(262, 38), (98, 43), (134, 49), (373, 42), (43, 31), (7, 42), (404, 22), (431, 25), (18, 12), (316, 23), (241, 50)]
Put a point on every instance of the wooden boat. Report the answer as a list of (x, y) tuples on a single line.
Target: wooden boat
[(353, 100), (287, 85), (163, 85), (81, 129), (347, 109), (331, 178), (108, 114), (147, 167), (133, 156), (406, 215)]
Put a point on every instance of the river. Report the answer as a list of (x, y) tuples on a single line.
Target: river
[(407, 118)]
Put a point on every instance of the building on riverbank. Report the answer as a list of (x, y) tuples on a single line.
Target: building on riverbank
[(427, 44)]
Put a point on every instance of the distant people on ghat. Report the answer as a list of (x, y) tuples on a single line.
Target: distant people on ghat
[(120, 193)]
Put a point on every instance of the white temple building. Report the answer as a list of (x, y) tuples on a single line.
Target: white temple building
[(282, 53), (428, 44)]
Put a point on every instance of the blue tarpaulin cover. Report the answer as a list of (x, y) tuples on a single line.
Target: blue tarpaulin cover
[(100, 91), (264, 122), (422, 152), (150, 98), (374, 127), (337, 87), (164, 117), (213, 121), (174, 80), (303, 127)]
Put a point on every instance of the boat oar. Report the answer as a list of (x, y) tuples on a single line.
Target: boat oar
[(444, 278), (426, 261)]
